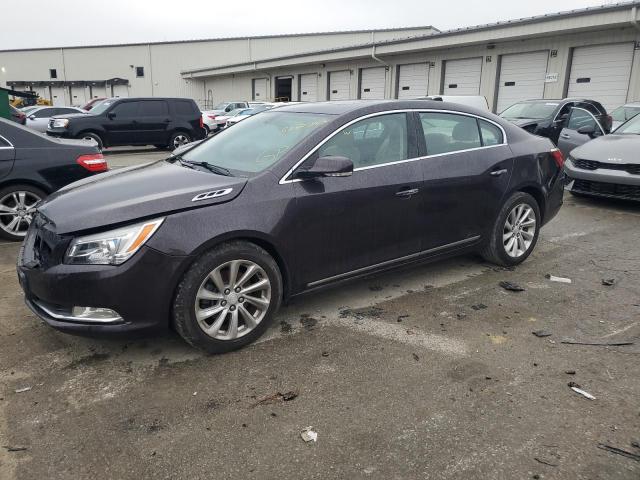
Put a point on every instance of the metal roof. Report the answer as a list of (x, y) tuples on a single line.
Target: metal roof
[(441, 33), (220, 39)]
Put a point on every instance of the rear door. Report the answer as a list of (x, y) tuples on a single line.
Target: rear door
[(570, 138), (152, 122), (375, 214), (466, 169), (7, 155)]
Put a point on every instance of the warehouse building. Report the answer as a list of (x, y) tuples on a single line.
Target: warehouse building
[(592, 52)]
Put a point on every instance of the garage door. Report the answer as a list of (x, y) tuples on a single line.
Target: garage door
[(462, 77), (260, 89), (78, 95), (521, 78), (340, 85), (308, 87), (413, 80), (602, 73), (120, 91), (372, 83), (59, 97)]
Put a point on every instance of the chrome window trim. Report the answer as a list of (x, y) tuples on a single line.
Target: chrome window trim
[(10, 144), (590, 114), (386, 263), (285, 180)]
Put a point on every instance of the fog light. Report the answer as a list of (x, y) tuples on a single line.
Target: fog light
[(94, 314)]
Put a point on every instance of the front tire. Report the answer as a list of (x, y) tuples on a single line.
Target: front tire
[(17, 206), (227, 298), (515, 232)]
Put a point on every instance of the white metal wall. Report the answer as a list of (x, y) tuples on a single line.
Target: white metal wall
[(522, 77)]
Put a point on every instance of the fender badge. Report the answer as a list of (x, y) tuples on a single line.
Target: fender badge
[(213, 194)]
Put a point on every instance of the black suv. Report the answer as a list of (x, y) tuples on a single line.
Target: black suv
[(163, 122), (547, 118)]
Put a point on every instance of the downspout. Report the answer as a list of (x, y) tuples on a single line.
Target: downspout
[(387, 92), (634, 18)]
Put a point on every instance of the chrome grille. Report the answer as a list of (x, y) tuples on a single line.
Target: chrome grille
[(633, 169)]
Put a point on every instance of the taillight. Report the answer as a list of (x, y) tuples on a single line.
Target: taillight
[(94, 162), (557, 157), (201, 122), (212, 117)]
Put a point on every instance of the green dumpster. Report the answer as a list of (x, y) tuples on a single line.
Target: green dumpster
[(4, 103)]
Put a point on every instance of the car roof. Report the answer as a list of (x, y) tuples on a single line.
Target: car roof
[(342, 107)]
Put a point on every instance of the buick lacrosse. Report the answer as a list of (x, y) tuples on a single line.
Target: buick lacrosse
[(211, 241)]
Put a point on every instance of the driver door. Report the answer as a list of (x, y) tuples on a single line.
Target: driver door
[(570, 137)]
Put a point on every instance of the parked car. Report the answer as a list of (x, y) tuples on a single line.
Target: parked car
[(608, 166), (477, 101), (38, 118), (547, 118), (33, 166), (284, 203), (209, 117), (624, 113), (17, 116), (581, 126), (245, 113), (163, 122), (92, 103)]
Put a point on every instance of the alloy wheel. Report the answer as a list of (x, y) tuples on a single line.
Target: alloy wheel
[(180, 140), (519, 230), (233, 299), (16, 211)]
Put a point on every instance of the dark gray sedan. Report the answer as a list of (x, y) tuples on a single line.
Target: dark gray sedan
[(608, 166)]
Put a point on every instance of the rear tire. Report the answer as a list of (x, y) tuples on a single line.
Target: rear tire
[(17, 205), (515, 232), (178, 139), (217, 310), (92, 136)]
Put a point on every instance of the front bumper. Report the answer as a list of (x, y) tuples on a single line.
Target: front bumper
[(140, 291), (57, 132), (603, 182)]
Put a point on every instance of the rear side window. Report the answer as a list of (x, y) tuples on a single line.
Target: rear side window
[(374, 141), (45, 113), (491, 134), (126, 109), (184, 107), (449, 132), (154, 108)]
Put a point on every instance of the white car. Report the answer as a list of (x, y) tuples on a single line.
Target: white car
[(477, 101), (209, 117), (624, 113), (248, 112), (38, 117)]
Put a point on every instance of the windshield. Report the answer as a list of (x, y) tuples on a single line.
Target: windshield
[(221, 106), (258, 142), (632, 127), (101, 107), (622, 114), (28, 109), (535, 110)]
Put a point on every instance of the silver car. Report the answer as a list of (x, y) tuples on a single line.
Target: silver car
[(624, 113), (608, 166), (38, 117)]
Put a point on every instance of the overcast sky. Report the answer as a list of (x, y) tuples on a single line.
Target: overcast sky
[(47, 23)]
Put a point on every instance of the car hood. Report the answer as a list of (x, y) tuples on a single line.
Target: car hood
[(75, 115), (134, 193), (610, 149), (521, 122)]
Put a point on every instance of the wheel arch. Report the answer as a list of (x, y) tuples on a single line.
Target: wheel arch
[(95, 131), (538, 196), (27, 181)]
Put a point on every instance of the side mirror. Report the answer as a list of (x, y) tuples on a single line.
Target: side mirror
[(588, 130), (111, 115), (228, 109), (327, 167), (31, 117), (561, 119)]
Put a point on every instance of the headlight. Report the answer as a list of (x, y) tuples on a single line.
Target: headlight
[(113, 247), (60, 123)]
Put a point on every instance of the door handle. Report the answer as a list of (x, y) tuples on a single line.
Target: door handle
[(407, 193), (497, 173), (565, 135)]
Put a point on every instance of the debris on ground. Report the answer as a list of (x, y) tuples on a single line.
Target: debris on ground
[(608, 282), (309, 435), (512, 287), (553, 278), (277, 397), (542, 333), (619, 451), (9, 448), (22, 390), (360, 313), (569, 341), (461, 316), (479, 306), (308, 322), (578, 389), (635, 443), (285, 327), (416, 357), (545, 462), (325, 354), (401, 317), (570, 372)]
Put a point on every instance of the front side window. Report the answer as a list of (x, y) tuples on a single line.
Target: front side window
[(154, 108), (581, 118), (258, 142), (374, 141), (449, 132), (632, 127), (45, 113), (126, 110)]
